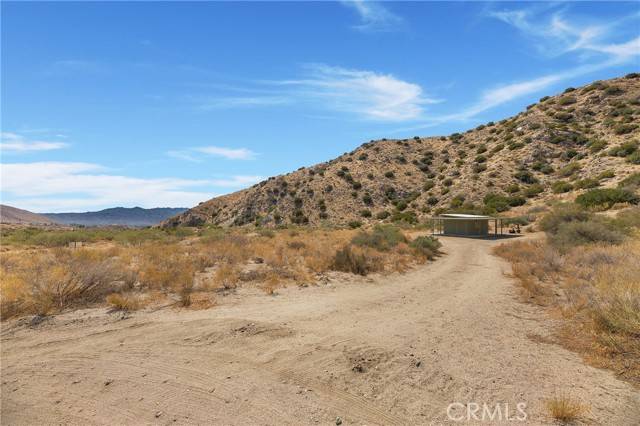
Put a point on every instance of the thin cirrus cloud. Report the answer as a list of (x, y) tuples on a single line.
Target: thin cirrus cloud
[(15, 143), (367, 94), (195, 154), (73, 186), (229, 102), (374, 17), (566, 37), (554, 34)]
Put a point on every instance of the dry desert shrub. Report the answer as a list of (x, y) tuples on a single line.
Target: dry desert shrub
[(565, 409), (166, 267), (123, 302), (55, 279), (226, 277), (272, 282)]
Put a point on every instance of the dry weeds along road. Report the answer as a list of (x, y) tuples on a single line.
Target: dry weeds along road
[(393, 350)]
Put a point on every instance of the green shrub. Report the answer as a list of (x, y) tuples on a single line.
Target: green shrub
[(634, 158), (533, 190), (585, 232), (567, 100), (562, 214), (587, 183), (563, 116), (382, 238), (518, 220), (606, 198), (623, 129), (346, 260), (406, 216), (613, 91), (561, 186), (624, 150), (500, 203), (365, 213), (513, 188), (525, 177), (426, 246), (457, 201), (627, 219), (355, 224), (631, 182), (607, 174), (479, 167), (497, 148), (383, 215), (596, 145), (389, 175), (569, 169)]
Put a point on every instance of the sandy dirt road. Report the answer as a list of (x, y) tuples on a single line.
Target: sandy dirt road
[(392, 350)]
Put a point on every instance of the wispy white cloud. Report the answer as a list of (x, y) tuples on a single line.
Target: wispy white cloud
[(227, 102), (237, 181), (64, 186), (13, 142), (184, 155), (368, 94), (374, 17), (229, 153), (194, 154), (555, 34)]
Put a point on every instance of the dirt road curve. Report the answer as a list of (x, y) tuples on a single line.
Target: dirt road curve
[(394, 350)]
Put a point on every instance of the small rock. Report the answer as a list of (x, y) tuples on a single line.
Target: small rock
[(158, 414), (338, 421), (108, 382), (358, 368), (418, 363)]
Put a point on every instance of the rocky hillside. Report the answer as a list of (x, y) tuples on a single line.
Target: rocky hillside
[(123, 216), (15, 216), (559, 147)]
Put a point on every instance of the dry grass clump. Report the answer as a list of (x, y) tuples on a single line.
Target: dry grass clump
[(565, 409), (596, 288), (124, 275), (351, 259), (123, 302)]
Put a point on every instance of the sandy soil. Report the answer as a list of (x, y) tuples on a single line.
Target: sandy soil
[(393, 350)]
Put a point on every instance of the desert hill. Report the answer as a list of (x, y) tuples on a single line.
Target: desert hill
[(15, 216), (557, 148), (135, 216)]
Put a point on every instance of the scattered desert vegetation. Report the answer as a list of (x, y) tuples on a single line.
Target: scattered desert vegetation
[(587, 271), (129, 269)]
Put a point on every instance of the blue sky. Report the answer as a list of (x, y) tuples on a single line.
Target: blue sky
[(169, 104)]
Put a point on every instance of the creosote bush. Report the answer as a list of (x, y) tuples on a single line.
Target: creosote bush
[(427, 246)]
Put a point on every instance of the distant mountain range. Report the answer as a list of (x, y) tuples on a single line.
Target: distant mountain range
[(14, 216), (135, 216)]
